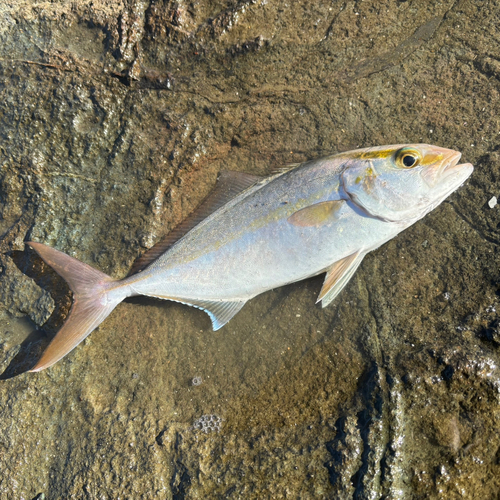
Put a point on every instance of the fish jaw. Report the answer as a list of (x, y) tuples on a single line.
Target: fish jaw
[(453, 177), (447, 171), (445, 178), (457, 173)]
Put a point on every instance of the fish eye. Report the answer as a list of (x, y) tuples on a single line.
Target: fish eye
[(407, 158)]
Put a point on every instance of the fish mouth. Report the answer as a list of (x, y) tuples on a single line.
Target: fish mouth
[(453, 161), (454, 174), (462, 171), (448, 173)]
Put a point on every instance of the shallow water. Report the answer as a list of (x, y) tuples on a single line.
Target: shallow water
[(114, 122)]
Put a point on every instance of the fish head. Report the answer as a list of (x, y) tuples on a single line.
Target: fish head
[(402, 183)]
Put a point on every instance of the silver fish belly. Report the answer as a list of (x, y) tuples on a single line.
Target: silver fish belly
[(321, 216)]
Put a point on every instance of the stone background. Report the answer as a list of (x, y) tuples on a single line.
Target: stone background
[(115, 118)]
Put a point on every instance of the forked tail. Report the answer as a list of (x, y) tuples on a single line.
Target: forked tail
[(92, 303)]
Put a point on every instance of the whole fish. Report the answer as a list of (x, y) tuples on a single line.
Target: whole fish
[(322, 216)]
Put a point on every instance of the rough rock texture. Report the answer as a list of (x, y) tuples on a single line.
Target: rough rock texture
[(115, 118)]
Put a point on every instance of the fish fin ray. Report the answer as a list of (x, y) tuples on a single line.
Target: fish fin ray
[(338, 275), (220, 311), (77, 274), (315, 215), (229, 184), (90, 307), (285, 168), (82, 320)]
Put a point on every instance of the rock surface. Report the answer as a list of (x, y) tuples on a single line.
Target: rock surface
[(115, 118)]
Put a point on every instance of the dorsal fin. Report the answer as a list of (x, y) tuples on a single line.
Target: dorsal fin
[(228, 185), (285, 168)]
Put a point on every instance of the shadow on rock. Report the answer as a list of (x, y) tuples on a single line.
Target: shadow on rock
[(28, 353)]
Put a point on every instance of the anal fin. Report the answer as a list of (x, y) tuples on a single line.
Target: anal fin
[(338, 276), (220, 311)]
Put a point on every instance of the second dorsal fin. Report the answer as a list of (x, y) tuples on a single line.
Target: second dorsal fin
[(228, 185)]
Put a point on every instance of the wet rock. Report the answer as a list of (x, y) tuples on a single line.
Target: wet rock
[(345, 456), (115, 118), (20, 295)]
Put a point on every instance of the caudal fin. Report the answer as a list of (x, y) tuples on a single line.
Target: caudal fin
[(91, 302)]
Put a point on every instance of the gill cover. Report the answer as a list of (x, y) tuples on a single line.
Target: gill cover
[(392, 182)]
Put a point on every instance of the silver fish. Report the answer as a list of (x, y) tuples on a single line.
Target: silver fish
[(322, 216)]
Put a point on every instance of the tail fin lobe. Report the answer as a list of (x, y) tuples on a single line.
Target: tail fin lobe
[(78, 275), (91, 304)]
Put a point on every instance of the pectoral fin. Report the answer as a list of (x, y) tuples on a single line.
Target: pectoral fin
[(317, 214), (338, 276)]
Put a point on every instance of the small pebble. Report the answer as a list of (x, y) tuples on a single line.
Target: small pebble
[(492, 203)]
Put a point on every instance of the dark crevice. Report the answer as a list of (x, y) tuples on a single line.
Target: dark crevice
[(491, 333), (366, 418), (181, 480), (334, 464), (123, 78)]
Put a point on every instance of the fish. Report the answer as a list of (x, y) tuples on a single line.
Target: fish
[(254, 234)]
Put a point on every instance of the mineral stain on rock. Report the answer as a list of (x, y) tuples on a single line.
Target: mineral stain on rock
[(115, 119)]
